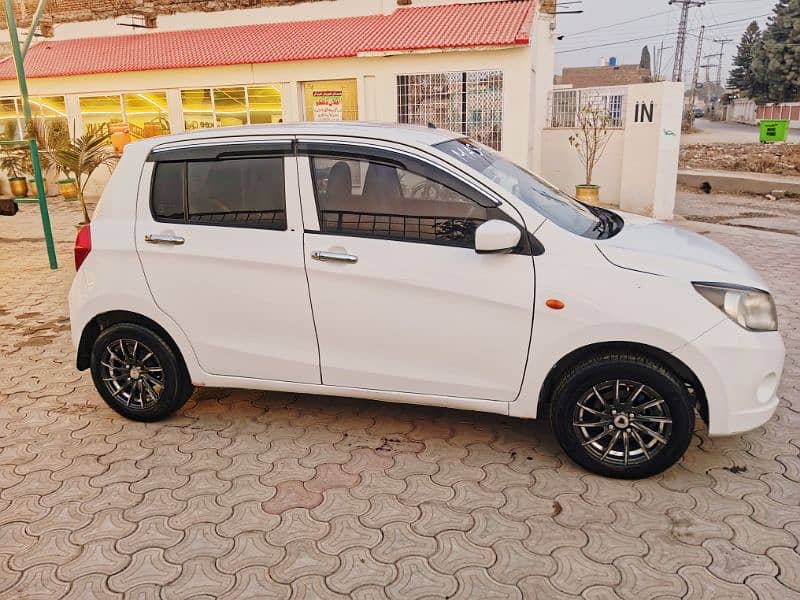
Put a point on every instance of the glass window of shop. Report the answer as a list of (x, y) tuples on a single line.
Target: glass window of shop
[(231, 106), (12, 116), (145, 113)]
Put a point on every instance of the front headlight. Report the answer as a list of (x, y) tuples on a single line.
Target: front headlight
[(751, 308)]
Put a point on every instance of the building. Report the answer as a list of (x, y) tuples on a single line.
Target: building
[(603, 76), (482, 68)]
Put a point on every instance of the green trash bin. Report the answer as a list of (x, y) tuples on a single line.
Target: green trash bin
[(773, 131)]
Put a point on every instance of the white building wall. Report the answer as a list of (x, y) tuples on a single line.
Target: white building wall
[(376, 76), (639, 169), (743, 110)]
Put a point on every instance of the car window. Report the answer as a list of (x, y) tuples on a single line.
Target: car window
[(168, 189), (551, 203), (236, 192), (372, 198)]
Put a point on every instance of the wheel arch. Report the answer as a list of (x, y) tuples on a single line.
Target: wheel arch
[(103, 321), (678, 367)]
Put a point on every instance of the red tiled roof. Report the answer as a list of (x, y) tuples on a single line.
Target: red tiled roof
[(496, 23)]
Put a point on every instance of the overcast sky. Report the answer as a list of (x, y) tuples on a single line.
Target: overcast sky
[(657, 21)]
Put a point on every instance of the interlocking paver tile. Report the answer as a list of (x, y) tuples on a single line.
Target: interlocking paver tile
[(263, 495), (476, 583), (297, 523), (769, 588), (199, 576), (606, 545), (385, 509), (250, 549), (788, 562), (546, 535), (415, 579), (400, 541), (358, 568), (37, 583), (91, 586), (145, 567), (98, 557), (303, 557), (515, 562), (346, 532), (491, 527), (52, 547), (454, 552), (705, 586), (640, 580), (575, 571), (254, 583), (437, 517)]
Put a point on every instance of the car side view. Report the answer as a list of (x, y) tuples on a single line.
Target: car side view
[(410, 264)]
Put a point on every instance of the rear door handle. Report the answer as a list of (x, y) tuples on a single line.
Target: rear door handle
[(164, 238), (334, 257)]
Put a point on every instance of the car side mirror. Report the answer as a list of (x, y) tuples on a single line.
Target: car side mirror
[(496, 237)]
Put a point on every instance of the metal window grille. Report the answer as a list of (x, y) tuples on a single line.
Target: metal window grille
[(447, 231), (468, 102), (564, 106)]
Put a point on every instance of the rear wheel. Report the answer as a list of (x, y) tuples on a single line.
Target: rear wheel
[(622, 415), (138, 373)]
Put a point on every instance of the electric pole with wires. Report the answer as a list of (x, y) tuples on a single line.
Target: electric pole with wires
[(721, 55), (697, 65), (677, 71)]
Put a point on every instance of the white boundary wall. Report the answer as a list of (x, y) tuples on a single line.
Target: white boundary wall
[(639, 170)]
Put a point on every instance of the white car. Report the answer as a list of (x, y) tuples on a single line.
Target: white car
[(414, 265)]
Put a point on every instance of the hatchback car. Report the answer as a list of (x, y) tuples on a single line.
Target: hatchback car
[(414, 265)]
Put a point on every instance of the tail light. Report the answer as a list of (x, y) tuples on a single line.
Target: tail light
[(83, 245)]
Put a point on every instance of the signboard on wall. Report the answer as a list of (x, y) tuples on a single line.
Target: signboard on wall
[(327, 105)]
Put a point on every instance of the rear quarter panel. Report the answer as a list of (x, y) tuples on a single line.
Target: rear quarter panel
[(112, 278)]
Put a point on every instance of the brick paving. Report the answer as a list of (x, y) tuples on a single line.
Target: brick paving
[(267, 495)]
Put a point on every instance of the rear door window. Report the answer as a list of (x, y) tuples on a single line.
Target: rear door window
[(230, 192)]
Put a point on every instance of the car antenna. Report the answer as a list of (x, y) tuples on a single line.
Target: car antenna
[(431, 126)]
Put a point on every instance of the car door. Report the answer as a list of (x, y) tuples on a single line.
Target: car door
[(219, 235), (402, 302)]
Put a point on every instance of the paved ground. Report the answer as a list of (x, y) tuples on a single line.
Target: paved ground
[(720, 132), (267, 495)]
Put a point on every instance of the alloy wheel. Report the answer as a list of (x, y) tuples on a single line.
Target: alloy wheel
[(132, 373), (622, 422)]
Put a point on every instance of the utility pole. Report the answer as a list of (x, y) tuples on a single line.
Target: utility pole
[(18, 51), (677, 71), (696, 74), (660, 60), (721, 58)]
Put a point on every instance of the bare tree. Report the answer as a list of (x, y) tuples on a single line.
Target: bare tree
[(592, 137)]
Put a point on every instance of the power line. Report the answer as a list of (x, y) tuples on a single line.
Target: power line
[(658, 14), (658, 35), (677, 69)]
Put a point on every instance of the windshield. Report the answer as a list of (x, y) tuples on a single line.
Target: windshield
[(550, 202)]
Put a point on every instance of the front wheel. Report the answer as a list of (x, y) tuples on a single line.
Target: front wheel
[(623, 416), (138, 373)]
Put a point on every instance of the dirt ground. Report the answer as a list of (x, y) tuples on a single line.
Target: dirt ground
[(775, 159)]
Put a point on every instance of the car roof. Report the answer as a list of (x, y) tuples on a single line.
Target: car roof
[(412, 135)]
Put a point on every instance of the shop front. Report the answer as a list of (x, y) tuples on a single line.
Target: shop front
[(483, 80)]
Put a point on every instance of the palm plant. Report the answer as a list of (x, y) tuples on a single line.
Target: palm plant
[(80, 158)]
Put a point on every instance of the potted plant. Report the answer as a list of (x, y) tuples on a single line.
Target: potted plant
[(16, 162), (52, 134), (79, 159), (590, 142)]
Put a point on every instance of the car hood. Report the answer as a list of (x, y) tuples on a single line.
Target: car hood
[(655, 247)]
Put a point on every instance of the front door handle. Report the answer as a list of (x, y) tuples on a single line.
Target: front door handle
[(164, 238), (334, 257)]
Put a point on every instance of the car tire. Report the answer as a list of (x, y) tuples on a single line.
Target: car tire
[(622, 415), (138, 373)]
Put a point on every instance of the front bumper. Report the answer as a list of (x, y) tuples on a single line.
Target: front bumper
[(740, 372)]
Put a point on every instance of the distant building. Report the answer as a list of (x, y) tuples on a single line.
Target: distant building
[(603, 76)]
